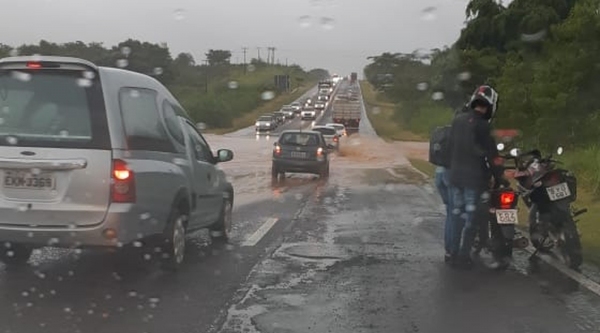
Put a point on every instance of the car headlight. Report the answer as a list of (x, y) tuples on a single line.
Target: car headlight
[(257, 124), (268, 124)]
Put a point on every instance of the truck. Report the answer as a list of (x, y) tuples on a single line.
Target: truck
[(347, 112), (353, 77)]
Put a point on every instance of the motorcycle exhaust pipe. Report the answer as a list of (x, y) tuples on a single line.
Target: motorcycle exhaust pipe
[(520, 242)]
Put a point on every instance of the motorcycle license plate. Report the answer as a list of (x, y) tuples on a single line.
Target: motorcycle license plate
[(558, 192), (507, 216)]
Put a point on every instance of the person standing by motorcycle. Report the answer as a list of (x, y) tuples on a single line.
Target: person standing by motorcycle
[(472, 152)]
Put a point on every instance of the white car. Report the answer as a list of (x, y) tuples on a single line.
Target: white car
[(308, 113), (339, 128)]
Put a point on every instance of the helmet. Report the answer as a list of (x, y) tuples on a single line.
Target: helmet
[(487, 96)]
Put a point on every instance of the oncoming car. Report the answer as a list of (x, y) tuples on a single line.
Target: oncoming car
[(300, 151), (102, 157)]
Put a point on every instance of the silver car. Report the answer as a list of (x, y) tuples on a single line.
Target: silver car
[(330, 134), (101, 157)]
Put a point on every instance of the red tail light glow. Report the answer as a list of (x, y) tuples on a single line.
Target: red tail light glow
[(34, 65), (507, 199), (277, 150), (123, 183), (335, 139), (320, 151)]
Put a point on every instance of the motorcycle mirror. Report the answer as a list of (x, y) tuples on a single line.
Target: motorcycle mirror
[(515, 152), (559, 150), (500, 146)]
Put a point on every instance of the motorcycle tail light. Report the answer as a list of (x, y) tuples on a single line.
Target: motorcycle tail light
[(552, 179), (507, 199)]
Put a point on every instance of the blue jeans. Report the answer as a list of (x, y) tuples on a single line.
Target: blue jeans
[(442, 182), (466, 203)]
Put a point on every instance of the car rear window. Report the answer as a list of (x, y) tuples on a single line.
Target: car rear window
[(52, 108), (299, 139), (325, 131), (265, 118)]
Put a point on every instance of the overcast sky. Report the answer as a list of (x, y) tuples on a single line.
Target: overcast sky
[(334, 34)]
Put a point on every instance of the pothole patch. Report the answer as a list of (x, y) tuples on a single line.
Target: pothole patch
[(316, 251)]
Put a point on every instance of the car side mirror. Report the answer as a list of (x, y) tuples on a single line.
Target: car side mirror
[(224, 155)]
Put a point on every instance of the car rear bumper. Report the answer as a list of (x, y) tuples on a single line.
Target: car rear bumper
[(260, 128), (308, 166), (127, 225)]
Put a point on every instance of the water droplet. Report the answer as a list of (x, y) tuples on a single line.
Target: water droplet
[(126, 51), (14, 53), (137, 244), (134, 93), (64, 133), (217, 272), (233, 85), (251, 68), (145, 216), (376, 110), (78, 251), (299, 196), (327, 23), (52, 292), (5, 110), (229, 247), (464, 76), (67, 310), (147, 256), (201, 126), (535, 37), (1, 121), (158, 249), (29, 304), (429, 14), (437, 96), (132, 294), (158, 71), (422, 86), (305, 21), (89, 75), (25, 294), (122, 63), (36, 171), (179, 14), (267, 95), (36, 252), (90, 312), (84, 83), (71, 273), (21, 76), (53, 241)]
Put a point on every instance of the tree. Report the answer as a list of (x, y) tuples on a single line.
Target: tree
[(218, 57)]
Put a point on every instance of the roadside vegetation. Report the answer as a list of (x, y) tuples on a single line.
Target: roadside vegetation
[(222, 95), (542, 57)]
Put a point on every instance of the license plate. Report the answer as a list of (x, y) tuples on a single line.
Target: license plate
[(507, 216), (558, 192), (296, 154), (28, 180)]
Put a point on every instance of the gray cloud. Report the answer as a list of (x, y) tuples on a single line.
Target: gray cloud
[(354, 29)]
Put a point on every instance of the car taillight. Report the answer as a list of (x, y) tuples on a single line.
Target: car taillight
[(277, 150), (320, 151), (335, 139), (34, 65), (123, 182), (507, 199)]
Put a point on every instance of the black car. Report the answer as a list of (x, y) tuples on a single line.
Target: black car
[(302, 152)]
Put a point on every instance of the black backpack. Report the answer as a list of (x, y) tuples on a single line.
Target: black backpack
[(439, 150)]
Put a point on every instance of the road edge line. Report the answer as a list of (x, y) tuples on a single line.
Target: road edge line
[(258, 235)]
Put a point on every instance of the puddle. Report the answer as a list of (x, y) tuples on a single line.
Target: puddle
[(318, 251)]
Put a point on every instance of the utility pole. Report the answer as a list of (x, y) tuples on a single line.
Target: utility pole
[(206, 82), (273, 56), (245, 49), (258, 49)]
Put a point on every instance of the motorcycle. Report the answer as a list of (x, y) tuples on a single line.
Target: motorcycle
[(499, 235), (549, 193)]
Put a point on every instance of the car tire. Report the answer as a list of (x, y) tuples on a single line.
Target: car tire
[(221, 230), (274, 172), (325, 172), (174, 241), (15, 256)]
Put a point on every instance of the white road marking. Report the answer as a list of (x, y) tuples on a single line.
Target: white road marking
[(261, 232), (576, 276)]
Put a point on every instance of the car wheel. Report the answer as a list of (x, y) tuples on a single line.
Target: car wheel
[(174, 245), (16, 255), (274, 172), (325, 172), (221, 230)]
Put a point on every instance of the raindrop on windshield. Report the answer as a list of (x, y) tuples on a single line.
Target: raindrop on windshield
[(147, 257), (201, 126), (437, 96), (232, 85), (251, 68), (179, 14), (84, 83), (14, 53), (21, 76), (36, 171), (299, 196), (1, 121), (89, 75), (422, 86), (64, 133), (158, 71), (535, 37), (126, 51), (137, 244), (464, 76), (11, 140), (122, 63), (144, 216), (376, 110), (327, 23), (305, 21), (5, 110), (134, 94), (267, 95), (429, 14)]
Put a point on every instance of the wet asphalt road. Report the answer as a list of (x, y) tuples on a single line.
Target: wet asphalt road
[(360, 252)]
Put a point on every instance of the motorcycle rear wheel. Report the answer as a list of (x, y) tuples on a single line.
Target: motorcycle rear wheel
[(571, 248)]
